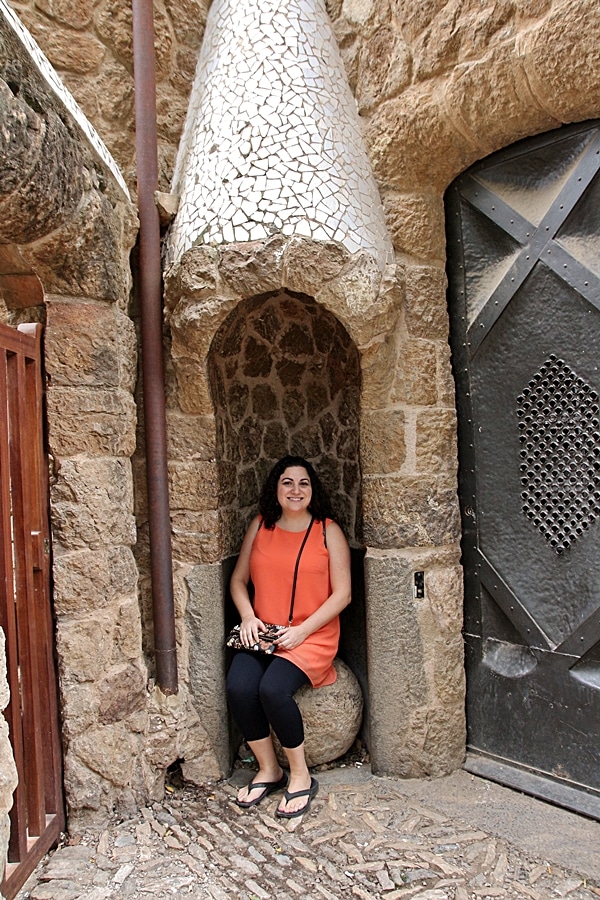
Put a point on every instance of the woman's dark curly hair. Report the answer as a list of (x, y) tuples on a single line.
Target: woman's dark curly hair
[(270, 509)]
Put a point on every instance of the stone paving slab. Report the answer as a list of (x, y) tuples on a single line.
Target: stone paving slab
[(456, 838)]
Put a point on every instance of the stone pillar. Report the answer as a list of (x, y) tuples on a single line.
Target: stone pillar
[(415, 654)]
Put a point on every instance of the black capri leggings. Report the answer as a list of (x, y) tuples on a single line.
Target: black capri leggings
[(260, 691)]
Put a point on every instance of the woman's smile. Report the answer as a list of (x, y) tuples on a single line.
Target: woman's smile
[(294, 490)]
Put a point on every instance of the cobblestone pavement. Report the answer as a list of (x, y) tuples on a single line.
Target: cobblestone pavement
[(364, 837)]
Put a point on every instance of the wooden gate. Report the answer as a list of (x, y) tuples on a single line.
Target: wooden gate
[(37, 815), (524, 267)]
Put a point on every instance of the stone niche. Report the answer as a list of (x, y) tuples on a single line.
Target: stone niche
[(285, 378), (266, 365), (289, 344)]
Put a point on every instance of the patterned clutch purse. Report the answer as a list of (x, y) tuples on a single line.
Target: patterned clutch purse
[(263, 645)]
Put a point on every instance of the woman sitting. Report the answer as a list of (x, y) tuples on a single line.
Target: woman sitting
[(294, 513)]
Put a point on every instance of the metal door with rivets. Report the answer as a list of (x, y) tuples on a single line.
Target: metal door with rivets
[(524, 299)]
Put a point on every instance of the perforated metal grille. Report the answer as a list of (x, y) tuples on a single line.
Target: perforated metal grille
[(560, 470)]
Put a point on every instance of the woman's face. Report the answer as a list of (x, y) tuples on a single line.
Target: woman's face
[(294, 489)]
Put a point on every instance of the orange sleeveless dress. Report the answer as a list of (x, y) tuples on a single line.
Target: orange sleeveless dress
[(272, 561)]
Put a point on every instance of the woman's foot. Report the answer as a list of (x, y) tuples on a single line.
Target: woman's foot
[(297, 798), (264, 783)]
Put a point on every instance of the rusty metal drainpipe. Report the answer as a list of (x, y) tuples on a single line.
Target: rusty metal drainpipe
[(150, 288)]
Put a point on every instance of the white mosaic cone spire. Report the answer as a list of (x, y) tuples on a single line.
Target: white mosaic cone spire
[(272, 141)]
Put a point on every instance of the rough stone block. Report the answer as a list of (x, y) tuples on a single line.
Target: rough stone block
[(193, 485), (404, 134), (415, 377), (92, 503), (254, 267), (95, 422), (426, 304), (308, 264), (121, 691), (81, 642), (410, 511), (191, 437), (108, 751), (127, 636), (332, 716), (416, 224), (382, 441), (89, 344), (378, 366), (45, 195), (568, 91), (195, 537), (384, 68), (396, 664), (81, 581), (205, 618), (492, 103), (436, 441), (94, 265)]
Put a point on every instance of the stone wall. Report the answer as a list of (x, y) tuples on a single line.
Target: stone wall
[(439, 85), (70, 227), (89, 44), (8, 770)]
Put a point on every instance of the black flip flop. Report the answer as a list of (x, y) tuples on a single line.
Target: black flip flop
[(310, 793), (268, 788)]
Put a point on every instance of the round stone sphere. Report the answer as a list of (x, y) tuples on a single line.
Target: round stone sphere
[(332, 716)]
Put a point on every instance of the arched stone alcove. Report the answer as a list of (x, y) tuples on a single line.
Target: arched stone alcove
[(285, 378)]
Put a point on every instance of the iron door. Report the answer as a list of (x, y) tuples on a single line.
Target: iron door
[(524, 275)]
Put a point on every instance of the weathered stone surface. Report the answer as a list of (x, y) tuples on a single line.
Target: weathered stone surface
[(415, 377), (193, 485), (92, 504), (397, 682), (95, 422), (416, 223), (308, 264), (45, 195), (21, 139), (190, 437), (8, 770), (75, 13), (82, 581), (568, 90), (79, 704), (176, 732), (426, 304), (436, 441), (205, 618), (378, 365), (127, 636), (87, 256), (404, 134), (195, 277), (121, 691), (384, 68), (81, 642), (107, 750), (181, 14), (196, 536), (89, 344), (410, 511), (253, 268), (492, 102), (67, 49), (382, 441), (332, 716), (354, 297)]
